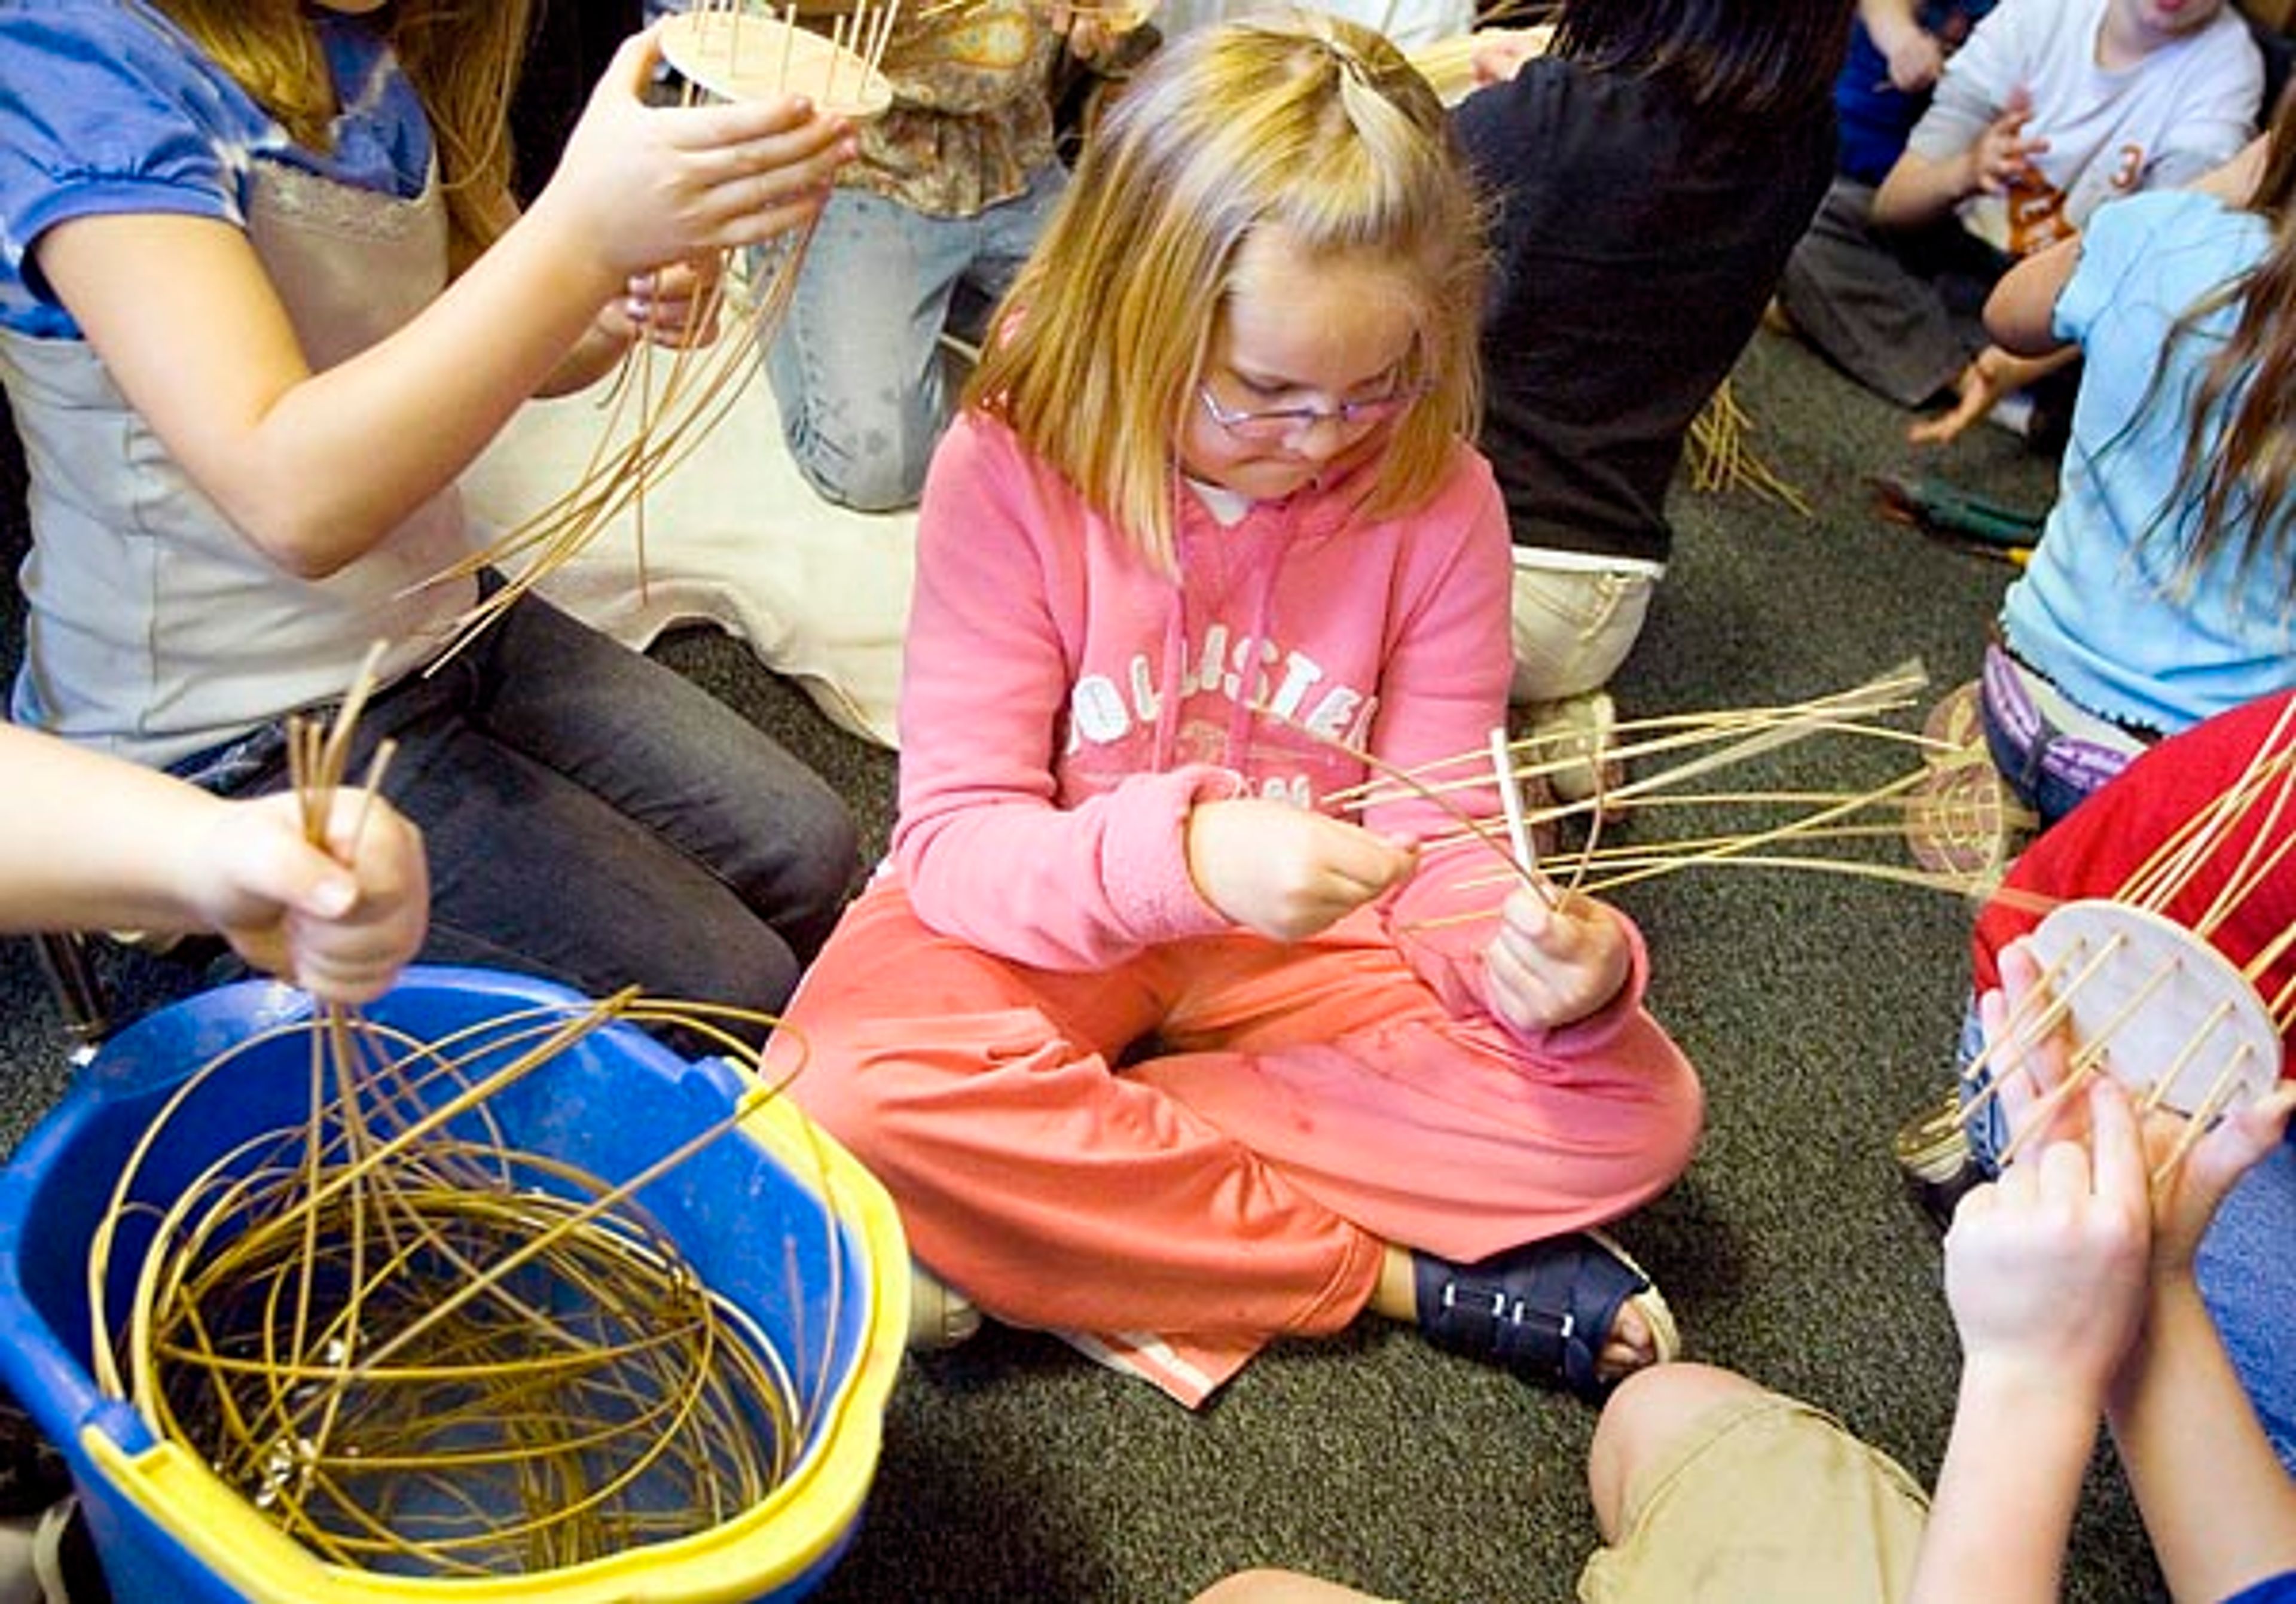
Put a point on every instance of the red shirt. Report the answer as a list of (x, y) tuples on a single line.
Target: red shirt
[(2095, 849)]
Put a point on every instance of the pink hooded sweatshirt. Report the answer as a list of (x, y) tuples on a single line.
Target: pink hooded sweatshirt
[(1065, 704)]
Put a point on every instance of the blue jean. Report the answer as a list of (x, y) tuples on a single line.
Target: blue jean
[(2247, 1273), (592, 818), (857, 366)]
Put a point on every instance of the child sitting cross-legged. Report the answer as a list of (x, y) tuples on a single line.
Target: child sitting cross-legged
[(1156, 1043)]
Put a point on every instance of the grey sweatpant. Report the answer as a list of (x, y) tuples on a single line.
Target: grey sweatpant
[(1898, 310)]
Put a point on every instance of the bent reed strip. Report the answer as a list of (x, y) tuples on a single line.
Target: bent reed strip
[(421, 1350)]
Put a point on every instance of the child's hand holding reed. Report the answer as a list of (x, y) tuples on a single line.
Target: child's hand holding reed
[(1285, 872)]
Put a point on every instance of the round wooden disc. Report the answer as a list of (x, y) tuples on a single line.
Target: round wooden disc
[(2164, 1002), (750, 56)]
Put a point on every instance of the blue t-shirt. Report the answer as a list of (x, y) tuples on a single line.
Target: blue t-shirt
[(106, 107), (1874, 114), (2272, 1590), (2102, 611)]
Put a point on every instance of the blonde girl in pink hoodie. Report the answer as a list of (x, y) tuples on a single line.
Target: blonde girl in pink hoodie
[(1156, 1044)]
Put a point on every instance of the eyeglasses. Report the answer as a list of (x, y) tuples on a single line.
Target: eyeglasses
[(1286, 423)]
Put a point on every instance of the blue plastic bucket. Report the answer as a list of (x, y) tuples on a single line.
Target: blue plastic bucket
[(742, 1210)]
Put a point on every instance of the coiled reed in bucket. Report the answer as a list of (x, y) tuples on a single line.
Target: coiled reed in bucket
[(422, 1350)]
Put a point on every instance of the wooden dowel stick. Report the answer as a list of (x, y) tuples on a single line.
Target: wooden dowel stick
[(2158, 1092), (1526, 856), (2044, 1110), (2197, 1126), (2028, 1022)]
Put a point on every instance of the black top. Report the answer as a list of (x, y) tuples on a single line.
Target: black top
[(1635, 243)]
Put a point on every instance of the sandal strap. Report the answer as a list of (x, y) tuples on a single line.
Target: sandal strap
[(1543, 1309)]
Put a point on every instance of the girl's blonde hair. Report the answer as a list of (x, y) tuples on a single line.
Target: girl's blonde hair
[(1310, 124), (460, 56)]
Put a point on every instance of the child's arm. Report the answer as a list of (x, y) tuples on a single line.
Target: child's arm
[(2020, 315), (1990, 375), (89, 841), (1916, 57), (2044, 1269), (989, 850), (1922, 188), (316, 467), (2215, 1498), (2021, 312), (2217, 1503)]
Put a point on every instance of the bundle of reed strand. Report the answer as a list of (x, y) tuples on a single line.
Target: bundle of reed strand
[(1720, 460), (1829, 831), (419, 1349)]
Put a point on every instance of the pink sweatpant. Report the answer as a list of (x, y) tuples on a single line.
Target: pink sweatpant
[(1286, 1112)]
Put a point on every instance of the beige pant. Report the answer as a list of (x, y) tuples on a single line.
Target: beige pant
[(1766, 1500), (1572, 627)]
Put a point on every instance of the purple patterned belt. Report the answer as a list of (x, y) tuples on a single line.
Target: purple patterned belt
[(2076, 760)]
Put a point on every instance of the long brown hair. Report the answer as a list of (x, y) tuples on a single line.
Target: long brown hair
[(2240, 431), (1309, 125), (462, 56)]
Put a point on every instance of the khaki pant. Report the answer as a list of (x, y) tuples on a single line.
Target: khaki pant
[(1770, 1500)]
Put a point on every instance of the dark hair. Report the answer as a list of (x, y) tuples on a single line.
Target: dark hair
[(1747, 58)]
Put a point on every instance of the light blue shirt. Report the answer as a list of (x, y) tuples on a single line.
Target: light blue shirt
[(2100, 609)]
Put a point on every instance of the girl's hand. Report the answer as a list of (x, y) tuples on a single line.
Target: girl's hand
[(676, 306), (1914, 54), (648, 185), (1990, 374), (1498, 54), (2183, 1208), (342, 923), (2031, 1069), (1550, 966), (1094, 34), (2046, 1269), (1285, 872)]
